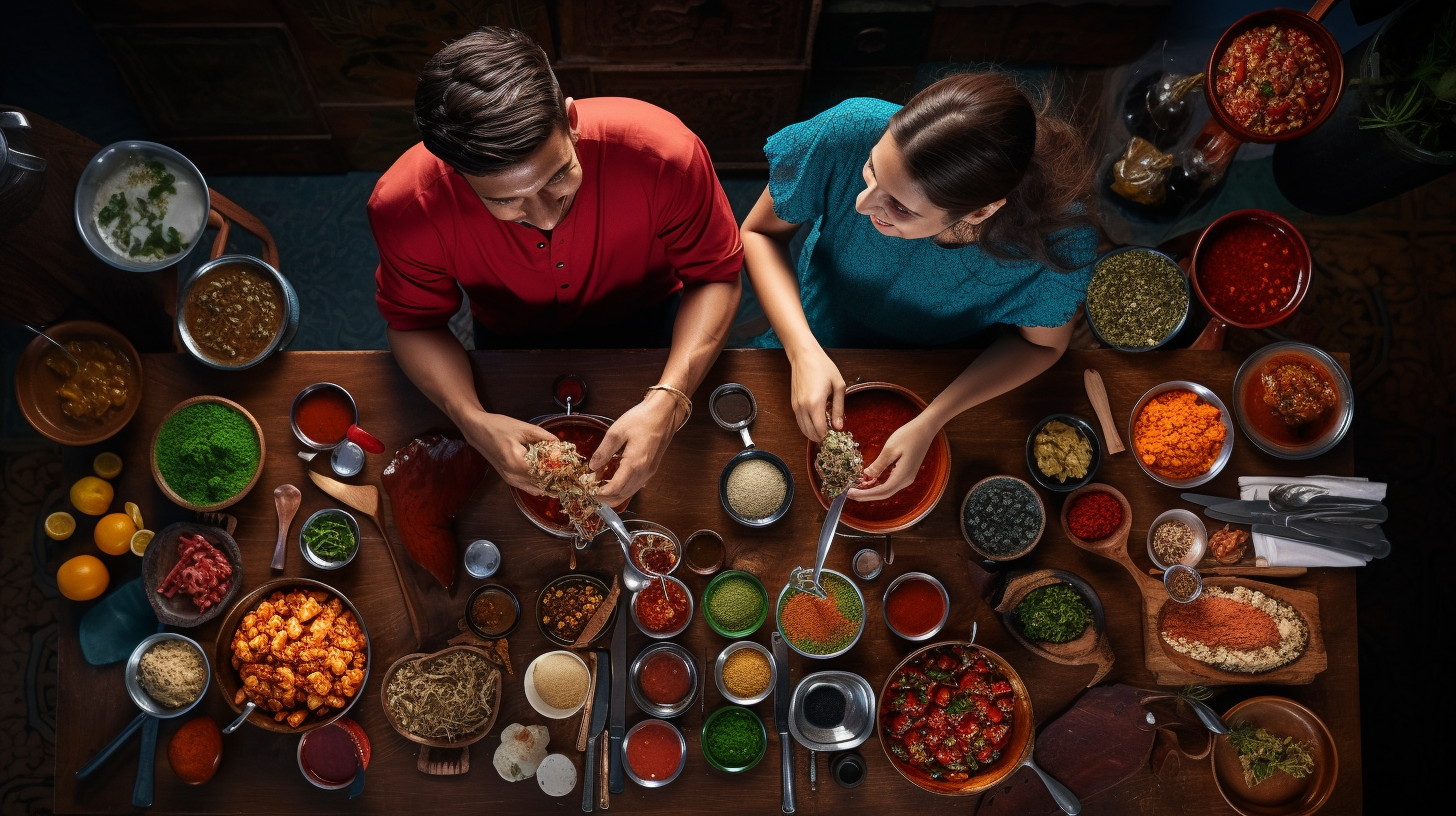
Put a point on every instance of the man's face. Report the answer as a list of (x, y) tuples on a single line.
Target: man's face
[(538, 191)]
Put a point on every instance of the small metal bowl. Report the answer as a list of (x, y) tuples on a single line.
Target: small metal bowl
[(1247, 377), (687, 617), (313, 558), (99, 171), (634, 674), (712, 586), (288, 304), (858, 724), (642, 528), (1200, 537), (1224, 453), (708, 727), (1082, 427), (773, 459), (298, 400), (944, 602), (1187, 301), (784, 597), (534, 698), (1168, 585), (682, 761), (572, 577), (495, 589), (139, 695), (773, 673)]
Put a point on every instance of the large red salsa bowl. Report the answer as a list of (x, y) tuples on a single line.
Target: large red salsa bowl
[(586, 432), (1251, 268), (1275, 75), (873, 411)]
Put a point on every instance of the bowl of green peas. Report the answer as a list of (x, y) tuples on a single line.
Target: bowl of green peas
[(329, 539)]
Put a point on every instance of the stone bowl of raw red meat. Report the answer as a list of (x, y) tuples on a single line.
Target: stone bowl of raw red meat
[(191, 572)]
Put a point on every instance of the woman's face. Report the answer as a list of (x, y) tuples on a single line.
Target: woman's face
[(894, 203)]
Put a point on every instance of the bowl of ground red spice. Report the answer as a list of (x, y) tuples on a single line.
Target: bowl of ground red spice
[(822, 627), (1181, 434), (207, 453), (916, 606), (1097, 515)]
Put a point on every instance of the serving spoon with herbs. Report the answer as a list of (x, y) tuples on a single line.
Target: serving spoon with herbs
[(840, 466)]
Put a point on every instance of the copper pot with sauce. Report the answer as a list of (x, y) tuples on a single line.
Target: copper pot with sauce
[(586, 431), (235, 311)]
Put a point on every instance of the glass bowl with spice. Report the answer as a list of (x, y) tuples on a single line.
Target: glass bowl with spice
[(1293, 400), (735, 604), (734, 739), (756, 488), (556, 684), (654, 548), (1097, 516), (664, 680), (663, 608), (1177, 537), (916, 606), (235, 311), (1138, 299), (329, 539), (1181, 434), (655, 753), (207, 453), (1063, 453), (744, 673), (822, 627), (1183, 583), (1002, 518), (832, 711), (565, 606), (492, 611)]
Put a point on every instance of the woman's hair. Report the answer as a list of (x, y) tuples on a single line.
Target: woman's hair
[(972, 139), (488, 100)]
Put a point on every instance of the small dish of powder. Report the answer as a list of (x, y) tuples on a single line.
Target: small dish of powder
[(556, 684), (172, 672)]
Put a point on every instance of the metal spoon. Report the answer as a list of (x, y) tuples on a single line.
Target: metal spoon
[(242, 718), (286, 498), (53, 341), (632, 578), (810, 583), (1292, 497), (1207, 716)]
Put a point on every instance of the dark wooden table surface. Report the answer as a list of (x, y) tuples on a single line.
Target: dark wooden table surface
[(259, 772)]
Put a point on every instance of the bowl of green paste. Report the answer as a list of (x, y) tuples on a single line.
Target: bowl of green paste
[(207, 453)]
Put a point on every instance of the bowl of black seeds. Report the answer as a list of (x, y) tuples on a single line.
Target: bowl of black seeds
[(1138, 299), (1002, 518)]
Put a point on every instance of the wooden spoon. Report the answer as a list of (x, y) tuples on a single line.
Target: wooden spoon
[(286, 498), (1097, 393)]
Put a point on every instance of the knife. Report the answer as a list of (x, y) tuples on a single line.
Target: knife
[(1331, 503), (1262, 511), (781, 717), (1372, 537), (618, 729), (601, 699), (1339, 545)]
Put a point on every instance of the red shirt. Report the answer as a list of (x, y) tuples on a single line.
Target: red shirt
[(649, 217)]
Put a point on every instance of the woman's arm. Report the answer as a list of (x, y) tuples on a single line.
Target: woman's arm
[(817, 383), (1014, 359)]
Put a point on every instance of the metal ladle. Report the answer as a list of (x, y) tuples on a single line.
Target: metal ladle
[(632, 578), (54, 342)]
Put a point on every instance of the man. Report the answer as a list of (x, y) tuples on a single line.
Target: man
[(568, 224)]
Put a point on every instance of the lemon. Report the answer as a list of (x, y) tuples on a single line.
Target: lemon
[(114, 532), (91, 495), (140, 540), (107, 465), (60, 526), (82, 578), (135, 514)]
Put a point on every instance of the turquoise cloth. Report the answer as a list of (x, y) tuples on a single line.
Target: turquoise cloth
[(861, 289)]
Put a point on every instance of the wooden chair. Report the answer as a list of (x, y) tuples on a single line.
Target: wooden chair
[(224, 214)]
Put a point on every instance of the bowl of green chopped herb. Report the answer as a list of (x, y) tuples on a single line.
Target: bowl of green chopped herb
[(734, 739), (329, 539), (1278, 758), (1138, 299), (1059, 609), (207, 453)]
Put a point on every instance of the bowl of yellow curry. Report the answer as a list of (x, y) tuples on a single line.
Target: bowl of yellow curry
[(83, 398)]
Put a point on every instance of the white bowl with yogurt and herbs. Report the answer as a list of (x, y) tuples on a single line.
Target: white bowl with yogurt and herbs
[(141, 206)]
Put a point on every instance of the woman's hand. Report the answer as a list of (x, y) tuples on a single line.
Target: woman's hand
[(503, 440), (817, 384), (642, 436), (903, 451)]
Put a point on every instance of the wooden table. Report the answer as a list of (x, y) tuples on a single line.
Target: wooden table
[(259, 772)]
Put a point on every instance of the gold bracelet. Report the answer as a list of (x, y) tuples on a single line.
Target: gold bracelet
[(677, 395)]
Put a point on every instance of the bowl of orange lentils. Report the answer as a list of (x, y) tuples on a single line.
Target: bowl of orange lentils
[(1182, 434)]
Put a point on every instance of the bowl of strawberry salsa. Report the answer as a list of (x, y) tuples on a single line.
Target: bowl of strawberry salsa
[(1274, 75)]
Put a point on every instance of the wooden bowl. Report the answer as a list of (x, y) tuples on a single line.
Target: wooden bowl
[(228, 681), (231, 500), (162, 556), (35, 386), (976, 548), (905, 508), (1280, 794), (463, 741), (1301, 669), (1118, 537), (1290, 18)]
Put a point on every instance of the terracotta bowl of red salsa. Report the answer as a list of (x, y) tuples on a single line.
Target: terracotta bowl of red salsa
[(1262, 98), (586, 432), (873, 411), (1324, 393), (1251, 268)]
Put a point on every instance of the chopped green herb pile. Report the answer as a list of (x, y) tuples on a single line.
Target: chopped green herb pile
[(118, 216), (330, 538), (735, 738), (839, 462), (1261, 754), (1053, 614)]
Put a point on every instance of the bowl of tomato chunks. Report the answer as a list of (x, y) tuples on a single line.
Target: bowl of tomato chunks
[(955, 719)]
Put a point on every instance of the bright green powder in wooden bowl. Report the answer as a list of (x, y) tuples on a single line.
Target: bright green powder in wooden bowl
[(207, 453)]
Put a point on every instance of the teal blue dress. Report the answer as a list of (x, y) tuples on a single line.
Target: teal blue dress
[(861, 289)]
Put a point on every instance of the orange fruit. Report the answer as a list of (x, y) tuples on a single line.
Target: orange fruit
[(91, 495), (82, 578), (114, 532)]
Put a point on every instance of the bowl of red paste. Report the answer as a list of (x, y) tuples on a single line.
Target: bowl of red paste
[(1251, 268)]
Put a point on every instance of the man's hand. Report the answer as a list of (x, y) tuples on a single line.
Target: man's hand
[(904, 451), (817, 384), (641, 435), (502, 440)]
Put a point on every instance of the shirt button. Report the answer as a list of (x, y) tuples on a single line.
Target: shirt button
[(560, 264), (540, 246), (565, 286)]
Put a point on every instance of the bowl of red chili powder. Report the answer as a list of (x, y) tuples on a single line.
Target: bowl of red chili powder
[(1097, 515), (1251, 268)]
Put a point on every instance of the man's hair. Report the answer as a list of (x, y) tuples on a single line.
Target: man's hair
[(487, 101)]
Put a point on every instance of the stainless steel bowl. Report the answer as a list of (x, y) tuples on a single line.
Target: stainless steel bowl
[(784, 596), (1209, 397), (286, 329), (1187, 301), (1314, 447), (773, 673), (642, 527), (682, 745), (293, 413), (311, 557), (99, 171), (687, 618), (772, 459), (858, 724), (944, 602), (634, 673), (139, 695)]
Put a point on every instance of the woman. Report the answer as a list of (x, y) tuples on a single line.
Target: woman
[(962, 211)]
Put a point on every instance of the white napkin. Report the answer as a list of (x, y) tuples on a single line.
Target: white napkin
[(1284, 552)]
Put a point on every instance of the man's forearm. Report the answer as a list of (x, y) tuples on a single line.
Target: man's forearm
[(438, 365), (703, 320)]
